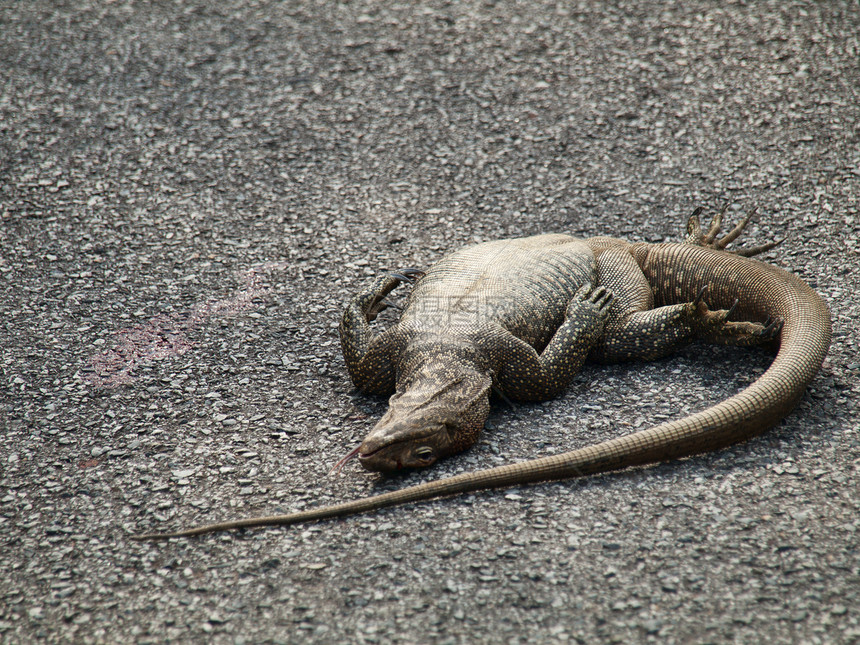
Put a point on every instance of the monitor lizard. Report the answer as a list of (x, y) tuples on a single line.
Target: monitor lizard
[(523, 315)]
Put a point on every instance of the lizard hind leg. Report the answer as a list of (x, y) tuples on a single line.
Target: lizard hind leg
[(715, 326), (637, 330), (710, 240)]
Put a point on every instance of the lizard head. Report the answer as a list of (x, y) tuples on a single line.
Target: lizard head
[(439, 408)]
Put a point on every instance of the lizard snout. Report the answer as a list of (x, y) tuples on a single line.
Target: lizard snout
[(388, 449)]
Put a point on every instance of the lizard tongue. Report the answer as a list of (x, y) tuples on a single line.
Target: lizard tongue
[(339, 465)]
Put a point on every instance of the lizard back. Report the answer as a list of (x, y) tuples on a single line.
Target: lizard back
[(524, 285)]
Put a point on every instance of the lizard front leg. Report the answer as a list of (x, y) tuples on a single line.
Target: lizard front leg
[(528, 376), (369, 358)]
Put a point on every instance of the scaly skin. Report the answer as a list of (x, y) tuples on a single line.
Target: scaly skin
[(569, 300)]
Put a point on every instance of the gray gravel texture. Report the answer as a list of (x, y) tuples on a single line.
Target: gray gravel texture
[(189, 191)]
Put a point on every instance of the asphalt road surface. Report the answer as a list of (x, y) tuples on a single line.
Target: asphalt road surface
[(190, 191)]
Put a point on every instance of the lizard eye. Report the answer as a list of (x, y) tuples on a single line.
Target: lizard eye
[(424, 452)]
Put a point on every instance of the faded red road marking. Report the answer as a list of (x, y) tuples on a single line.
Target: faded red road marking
[(164, 336)]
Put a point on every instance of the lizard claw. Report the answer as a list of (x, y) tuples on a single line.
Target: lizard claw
[(771, 328), (761, 248), (708, 322), (694, 227), (407, 275), (700, 296), (711, 239), (602, 298), (732, 308), (598, 301), (732, 235), (387, 283), (718, 329)]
